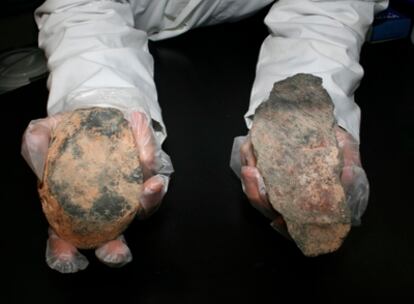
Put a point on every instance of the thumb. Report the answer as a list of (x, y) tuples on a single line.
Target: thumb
[(35, 143), (152, 194)]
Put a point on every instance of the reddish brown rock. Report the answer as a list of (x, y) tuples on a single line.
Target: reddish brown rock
[(92, 178), (297, 154)]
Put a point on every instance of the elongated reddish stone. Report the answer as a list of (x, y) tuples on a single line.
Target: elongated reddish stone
[(293, 136), (92, 178)]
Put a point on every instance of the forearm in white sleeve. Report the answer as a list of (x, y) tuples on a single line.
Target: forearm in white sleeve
[(97, 58), (319, 37)]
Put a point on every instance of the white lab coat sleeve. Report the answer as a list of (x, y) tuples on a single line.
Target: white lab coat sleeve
[(97, 58), (163, 19), (319, 37)]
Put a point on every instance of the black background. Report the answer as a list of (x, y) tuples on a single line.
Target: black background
[(206, 244)]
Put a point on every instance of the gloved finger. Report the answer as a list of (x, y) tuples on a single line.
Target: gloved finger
[(349, 147), (35, 143), (242, 154), (153, 159), (152, 195), (63, 256), (115, 253), (356, 186), (254, 188), (146, 142), (353, 177), (247, 156), (235, 159)]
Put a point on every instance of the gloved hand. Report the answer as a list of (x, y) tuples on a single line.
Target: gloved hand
[(353, 177), (157, 168)]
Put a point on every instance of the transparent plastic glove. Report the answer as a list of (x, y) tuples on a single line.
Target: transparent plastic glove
[(63, 256), (36, 142), (353, 177), (243, 163), (114, 253), (156, 164)]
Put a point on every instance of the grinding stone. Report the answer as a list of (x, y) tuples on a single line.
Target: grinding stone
[(293, 136), (92, 178)]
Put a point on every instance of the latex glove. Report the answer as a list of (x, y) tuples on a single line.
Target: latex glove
[(156, 164), (353, 177), (63, 256)]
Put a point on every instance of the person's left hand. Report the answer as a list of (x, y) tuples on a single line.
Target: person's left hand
[(156, 166)]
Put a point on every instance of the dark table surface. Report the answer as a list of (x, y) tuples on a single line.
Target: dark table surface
[(206, 244)]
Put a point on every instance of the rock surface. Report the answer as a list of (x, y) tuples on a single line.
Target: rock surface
[(92, 178), (297, 154)]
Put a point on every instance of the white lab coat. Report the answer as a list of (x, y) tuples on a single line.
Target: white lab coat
[(98, 55)]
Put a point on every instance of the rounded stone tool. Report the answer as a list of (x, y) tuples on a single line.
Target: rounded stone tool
[(92, 178)]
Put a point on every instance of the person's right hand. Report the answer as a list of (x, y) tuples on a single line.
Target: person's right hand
[(156, 164)]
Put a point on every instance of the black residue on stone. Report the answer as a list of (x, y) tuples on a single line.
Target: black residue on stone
[(113, 183), (279, 104), (310, 137), (65, 144), (301, 89), (136, 176), (109, 206), (106, 121), (77, 151), (83, 229), (59, 191)]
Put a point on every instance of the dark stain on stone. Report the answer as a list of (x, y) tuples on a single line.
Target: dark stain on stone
[(77, 151), (136, 176), (66, 142), (283, 104), (64, 199), (82, 229), (109, 206), (106, 121)]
